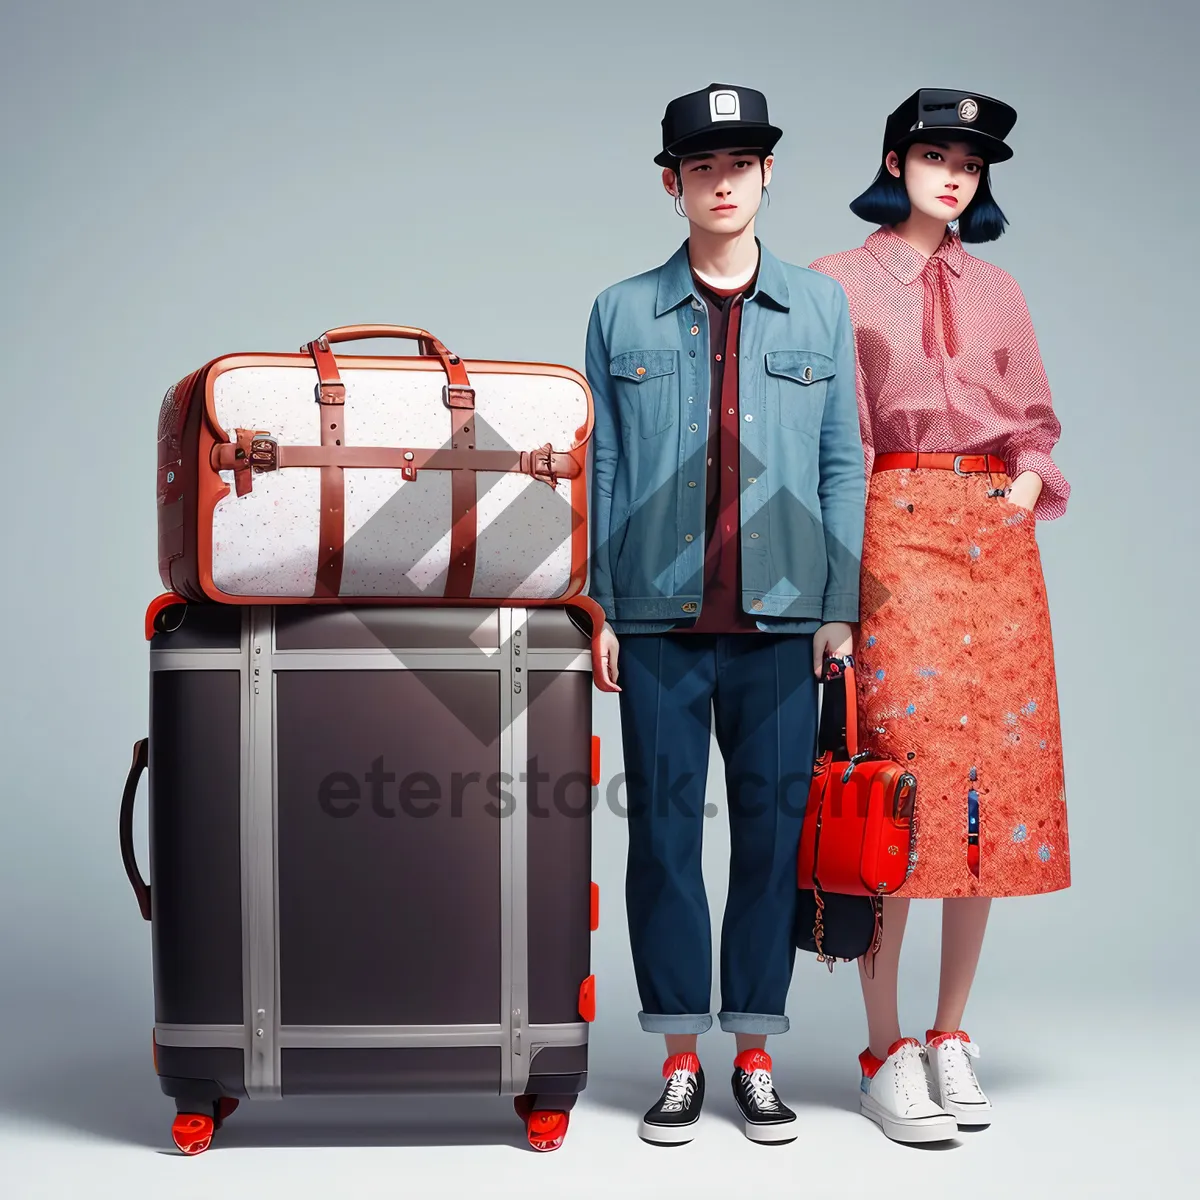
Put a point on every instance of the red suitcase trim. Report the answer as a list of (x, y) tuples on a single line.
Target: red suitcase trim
[(587, 998)]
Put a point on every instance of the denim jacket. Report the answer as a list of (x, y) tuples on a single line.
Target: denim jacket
[(802, 476)]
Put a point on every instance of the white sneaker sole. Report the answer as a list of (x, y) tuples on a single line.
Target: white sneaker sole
[(667, 1135), (900, 1129), (784, 1131), (969, 1114)]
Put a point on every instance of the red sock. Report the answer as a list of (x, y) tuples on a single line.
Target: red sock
[(870, 1064), (935, 1037), (753, 1060), (681, 1062)]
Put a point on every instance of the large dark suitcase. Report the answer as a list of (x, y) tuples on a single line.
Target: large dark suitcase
[(370, 840)]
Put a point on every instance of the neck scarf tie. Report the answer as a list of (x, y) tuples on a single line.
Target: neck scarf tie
[(938, 286)]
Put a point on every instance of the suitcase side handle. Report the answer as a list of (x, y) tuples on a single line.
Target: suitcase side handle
[(141, 889)]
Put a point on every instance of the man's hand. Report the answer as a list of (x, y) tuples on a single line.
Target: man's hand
[(609, 650), (835, 639)]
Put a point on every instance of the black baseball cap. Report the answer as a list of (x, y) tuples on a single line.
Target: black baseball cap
[(718, 117), (932, 114)]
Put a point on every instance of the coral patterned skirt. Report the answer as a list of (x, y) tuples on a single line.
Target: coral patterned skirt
[(956, 681)]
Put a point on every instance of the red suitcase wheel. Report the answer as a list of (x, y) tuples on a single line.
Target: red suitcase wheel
[(192, 1132), (545, 1128)]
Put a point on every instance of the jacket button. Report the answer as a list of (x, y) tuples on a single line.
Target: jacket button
[(756, 604), (695, 330), (752, 479), (687, 537), (754, 535), (691, 483), (641, 370), (693, 427), (749, 416), (690, 606)]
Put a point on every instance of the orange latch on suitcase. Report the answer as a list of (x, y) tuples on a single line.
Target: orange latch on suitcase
[(595, 759), (595, 906), (587, 998)]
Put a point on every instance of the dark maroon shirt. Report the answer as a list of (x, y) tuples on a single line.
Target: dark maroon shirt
[(721, 608)]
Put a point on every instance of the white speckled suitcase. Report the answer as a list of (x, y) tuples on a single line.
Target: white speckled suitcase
[(310, 478)]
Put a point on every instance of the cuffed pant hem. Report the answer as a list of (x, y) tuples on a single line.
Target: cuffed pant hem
[(675, 1022), (735, 1022)]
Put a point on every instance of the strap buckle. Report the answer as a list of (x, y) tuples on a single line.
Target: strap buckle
[(254, 451), (541, 464), (958, 459), (456, 396), (264, 453)]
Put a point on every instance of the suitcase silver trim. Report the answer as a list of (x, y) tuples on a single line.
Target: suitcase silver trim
[(389, 1036), (514, 626), (380, 1036), (373, 1036), (260, 885), (574, 1033), (371, 660), (204, 1036)]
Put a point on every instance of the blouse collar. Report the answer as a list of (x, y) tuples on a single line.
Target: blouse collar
[(900, 259)]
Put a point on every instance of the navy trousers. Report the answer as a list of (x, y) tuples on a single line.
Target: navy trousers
[(764, 695)]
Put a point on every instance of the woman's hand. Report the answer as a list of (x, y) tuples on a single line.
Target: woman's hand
[(609, 650), (1025, 490), (835, 639)]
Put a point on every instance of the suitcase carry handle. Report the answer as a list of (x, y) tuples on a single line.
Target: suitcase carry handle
[(459, 392), (141, 889), (355, 333)]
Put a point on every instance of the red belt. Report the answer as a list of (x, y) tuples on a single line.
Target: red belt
[(960, 464)]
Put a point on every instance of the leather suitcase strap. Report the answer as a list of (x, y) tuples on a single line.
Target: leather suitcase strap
[(463, 493), (460, 399), (331, 393), (544, 463)]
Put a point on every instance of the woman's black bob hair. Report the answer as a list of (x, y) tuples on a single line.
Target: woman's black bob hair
[(886, 202)]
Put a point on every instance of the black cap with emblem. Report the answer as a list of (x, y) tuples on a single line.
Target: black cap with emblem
[(937, 114), (719, 117)]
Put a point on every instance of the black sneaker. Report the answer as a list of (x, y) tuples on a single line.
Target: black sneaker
[(672, 1120), (767, 1118)]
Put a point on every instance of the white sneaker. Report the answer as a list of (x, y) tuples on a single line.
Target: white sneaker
[(895, 1095), (952, 1079)]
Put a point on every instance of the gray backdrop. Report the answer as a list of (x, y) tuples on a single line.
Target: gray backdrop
[(183, 180)]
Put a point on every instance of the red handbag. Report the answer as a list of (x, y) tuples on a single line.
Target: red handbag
[(858, 833)]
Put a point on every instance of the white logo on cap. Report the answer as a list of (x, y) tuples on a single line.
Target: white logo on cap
[(725, 106), (968, 110)]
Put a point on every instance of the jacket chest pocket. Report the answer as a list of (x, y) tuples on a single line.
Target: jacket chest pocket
[(797, 381), (647, 386)]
